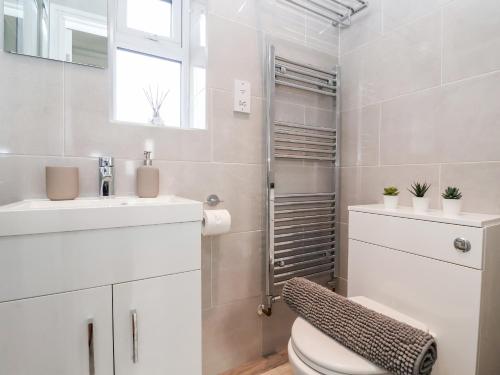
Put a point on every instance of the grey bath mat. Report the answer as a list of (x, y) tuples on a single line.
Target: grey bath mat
[(393, 345)]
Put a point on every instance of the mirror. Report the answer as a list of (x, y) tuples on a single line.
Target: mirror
[(67, 30)]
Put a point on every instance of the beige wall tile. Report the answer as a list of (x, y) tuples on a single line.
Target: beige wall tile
[(343, 254), (322, 35), (320, 117), (277, 328), (296, 177), (206, 272), (405, 60), (23, 177), (289, 112), (351, 189), (31, 106), (366, 27), (401, 12), (237, 137), (89, 131), (359, 136), (242, 11), (237, 266), (281, 21), (471, 44), (232, 335), (436, 125), (478, 183), (342, 287), (375, 179), (227, 61)]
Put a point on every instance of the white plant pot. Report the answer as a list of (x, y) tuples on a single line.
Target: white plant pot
[(391, 202), (420, 205), (452, 207)]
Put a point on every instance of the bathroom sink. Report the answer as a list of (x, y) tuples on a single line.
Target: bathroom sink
[(45, 216)]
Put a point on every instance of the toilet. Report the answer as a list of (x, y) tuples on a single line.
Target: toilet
[(311, 352)]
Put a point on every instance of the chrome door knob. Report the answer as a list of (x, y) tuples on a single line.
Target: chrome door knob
[(461, 244)]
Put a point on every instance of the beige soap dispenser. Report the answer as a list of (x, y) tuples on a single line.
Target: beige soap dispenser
[(148, 178)]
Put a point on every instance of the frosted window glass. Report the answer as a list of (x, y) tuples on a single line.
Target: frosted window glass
[(150, 16), (136, 72)]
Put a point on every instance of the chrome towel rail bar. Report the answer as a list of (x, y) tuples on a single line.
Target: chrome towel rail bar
[(298, 126), (339, 14), (302, 65), (310, 275), (316, 246), (296, 86)]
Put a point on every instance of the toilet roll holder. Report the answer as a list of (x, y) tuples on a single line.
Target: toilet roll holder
[(213, 200)]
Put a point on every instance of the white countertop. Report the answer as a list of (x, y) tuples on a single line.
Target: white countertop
[(45, 216), (465, 218)]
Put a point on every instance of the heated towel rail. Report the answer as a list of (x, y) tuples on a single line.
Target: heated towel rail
[(300, 227)]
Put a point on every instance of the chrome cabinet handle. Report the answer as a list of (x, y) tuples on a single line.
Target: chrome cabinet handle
[(462, 244), (135, 337), (90, 337)]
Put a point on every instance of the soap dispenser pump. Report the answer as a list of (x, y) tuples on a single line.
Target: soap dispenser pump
[(148, 178)]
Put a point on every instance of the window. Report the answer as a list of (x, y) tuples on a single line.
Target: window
[(154, 82)]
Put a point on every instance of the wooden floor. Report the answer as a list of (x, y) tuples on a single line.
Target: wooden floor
[(276, 364)]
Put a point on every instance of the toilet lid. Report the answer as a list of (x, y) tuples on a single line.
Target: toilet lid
[(327, 356)]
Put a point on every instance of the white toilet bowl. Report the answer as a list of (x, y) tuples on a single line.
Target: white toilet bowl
[(311, 352)]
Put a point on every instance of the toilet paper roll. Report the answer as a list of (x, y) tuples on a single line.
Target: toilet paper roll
[(216, 222)]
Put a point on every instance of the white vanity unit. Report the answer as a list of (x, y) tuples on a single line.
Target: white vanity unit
[(100, 287), (442, 271)]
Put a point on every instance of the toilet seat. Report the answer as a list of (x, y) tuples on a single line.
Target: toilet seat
[(325, 356)]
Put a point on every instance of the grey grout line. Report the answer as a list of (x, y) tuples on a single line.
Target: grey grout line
[(64, 109), (381, 118), (442, 45), (420, 91)]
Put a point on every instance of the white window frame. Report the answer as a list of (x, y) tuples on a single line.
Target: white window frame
[(175, 48)]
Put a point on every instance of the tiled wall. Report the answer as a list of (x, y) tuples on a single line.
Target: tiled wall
[(58, 114), (421, 94)]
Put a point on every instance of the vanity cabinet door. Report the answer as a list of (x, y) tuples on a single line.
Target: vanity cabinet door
[(61, 334), (158, 325)]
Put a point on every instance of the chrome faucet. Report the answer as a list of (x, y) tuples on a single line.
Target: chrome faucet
[(106, 176)]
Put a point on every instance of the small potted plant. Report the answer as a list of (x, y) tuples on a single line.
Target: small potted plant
[(452, 203), (391, 197), (420, 201)]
